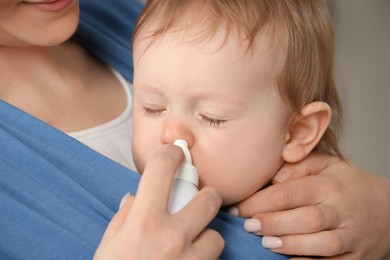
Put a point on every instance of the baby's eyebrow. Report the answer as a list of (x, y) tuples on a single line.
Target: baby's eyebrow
[(146, 87), (221, 96)]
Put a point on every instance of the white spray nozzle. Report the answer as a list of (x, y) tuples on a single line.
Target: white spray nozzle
[(185, 185), (187, 171), (184, 146)]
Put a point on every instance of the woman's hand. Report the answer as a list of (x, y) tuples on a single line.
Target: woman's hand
[(323, 206), (143, 228)]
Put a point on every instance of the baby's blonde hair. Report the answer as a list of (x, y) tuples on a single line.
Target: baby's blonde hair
[(303, 30)]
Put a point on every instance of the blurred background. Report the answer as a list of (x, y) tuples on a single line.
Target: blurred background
[(362, 71)]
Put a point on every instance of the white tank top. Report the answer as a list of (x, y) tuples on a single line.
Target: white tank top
[(112, 139)]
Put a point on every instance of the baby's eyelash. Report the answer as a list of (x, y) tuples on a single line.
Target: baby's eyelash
[(212, 121), (152, 112)]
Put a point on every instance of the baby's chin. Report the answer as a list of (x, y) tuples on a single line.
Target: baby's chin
[(227, 201)]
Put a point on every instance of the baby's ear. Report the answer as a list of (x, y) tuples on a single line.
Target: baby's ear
[(306, 131)]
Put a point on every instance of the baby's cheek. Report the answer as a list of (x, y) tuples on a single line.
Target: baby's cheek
[(139, 160), (139, 165), (225, 187), (233, 183)]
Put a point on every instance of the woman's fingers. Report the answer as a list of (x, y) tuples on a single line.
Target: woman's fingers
[(195, 216), (322, 206), (346, 256), (307, 191), (154, 188), (313, 164), (325, 243), (303, 220), (208, 245), (199, 212), (146, 230), (119, 218), (297, 189)]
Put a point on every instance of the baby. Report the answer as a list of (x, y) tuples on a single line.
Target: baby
[(248, 84)]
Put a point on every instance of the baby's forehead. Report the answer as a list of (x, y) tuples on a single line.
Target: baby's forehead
[(227, 56), (214, 40)]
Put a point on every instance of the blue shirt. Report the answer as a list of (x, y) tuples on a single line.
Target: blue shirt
[(57, 195)]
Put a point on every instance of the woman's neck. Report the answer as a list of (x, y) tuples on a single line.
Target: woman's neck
[(64, 86), (28, 68)]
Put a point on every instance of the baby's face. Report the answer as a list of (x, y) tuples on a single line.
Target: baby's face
[(222, 101)]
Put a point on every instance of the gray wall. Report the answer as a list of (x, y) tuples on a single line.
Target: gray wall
[(362, 38)]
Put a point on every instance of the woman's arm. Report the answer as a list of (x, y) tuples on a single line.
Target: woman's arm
[(323, 206), (143, 228)]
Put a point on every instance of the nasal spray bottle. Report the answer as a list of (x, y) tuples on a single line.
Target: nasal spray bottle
[(185, 183)]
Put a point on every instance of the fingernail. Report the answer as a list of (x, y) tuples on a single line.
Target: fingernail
[(271, 242), (283, 174), (252, 225), (233, 211), (124, 199)]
